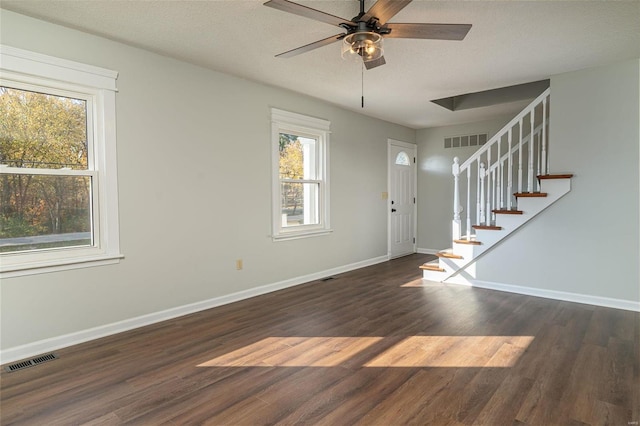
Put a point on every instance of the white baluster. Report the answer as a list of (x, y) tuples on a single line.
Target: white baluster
[(483, 219), (545, 166), (520, 159), (487, 199), (495, 196), (539, 151), (488, 211), (468, 206), (509, 171), (530, 175), (500, 176), (478, 203), (455, 226)]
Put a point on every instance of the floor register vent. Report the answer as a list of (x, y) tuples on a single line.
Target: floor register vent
[(30, 362)]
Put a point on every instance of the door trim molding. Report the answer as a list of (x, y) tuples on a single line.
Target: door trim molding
[(411, 146)]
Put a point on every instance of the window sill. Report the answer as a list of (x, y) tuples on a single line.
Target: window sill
[(300, 235), (19, 270)]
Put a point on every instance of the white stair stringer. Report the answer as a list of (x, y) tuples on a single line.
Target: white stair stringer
[(530, 207)]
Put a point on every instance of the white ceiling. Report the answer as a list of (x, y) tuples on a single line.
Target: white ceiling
[(511, 42)]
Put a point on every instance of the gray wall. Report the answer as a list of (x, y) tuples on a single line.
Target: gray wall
[(587, 242), (435, 181), (194, 188)]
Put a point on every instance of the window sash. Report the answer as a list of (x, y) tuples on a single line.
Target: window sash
[(88, 98), (48, 172)]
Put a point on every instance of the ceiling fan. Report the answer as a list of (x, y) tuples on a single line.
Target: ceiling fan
[(364, 33)]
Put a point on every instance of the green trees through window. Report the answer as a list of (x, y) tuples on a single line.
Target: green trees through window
[(43, 139), (299, 190)]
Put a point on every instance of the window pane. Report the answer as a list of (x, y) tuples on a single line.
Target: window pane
[(297, 157), (402, 159), (40, 212), (299, 203), (38, 130)]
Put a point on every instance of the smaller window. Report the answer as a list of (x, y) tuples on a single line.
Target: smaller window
[(300, 181), (402, 159)]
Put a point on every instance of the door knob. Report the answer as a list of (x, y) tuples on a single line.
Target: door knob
[(393, 210)]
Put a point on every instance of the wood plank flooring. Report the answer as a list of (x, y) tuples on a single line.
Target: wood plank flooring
[(376, 346)]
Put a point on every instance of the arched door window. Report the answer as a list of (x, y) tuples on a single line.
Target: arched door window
[(402, 159)]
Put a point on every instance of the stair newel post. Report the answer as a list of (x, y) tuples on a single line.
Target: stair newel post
[(520, 157), (456, 224), (469, 200), (478, 203), (530, 176), (483, 219), (509, 170), (545, 169)]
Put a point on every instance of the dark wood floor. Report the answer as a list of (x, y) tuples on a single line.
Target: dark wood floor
[(375, 346)]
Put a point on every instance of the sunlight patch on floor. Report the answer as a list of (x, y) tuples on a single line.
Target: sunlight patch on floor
[(295, 352), (413, 351), (417, 283), (453, 351)]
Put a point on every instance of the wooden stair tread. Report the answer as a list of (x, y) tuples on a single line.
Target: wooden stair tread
[(432, 267), (530, 194), (448, 255), (498, 211), (564, 176), (470, 242), (489, 227)]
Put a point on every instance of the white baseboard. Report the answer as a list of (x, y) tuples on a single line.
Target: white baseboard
[(427, 251), (54, 343), (627, 305)]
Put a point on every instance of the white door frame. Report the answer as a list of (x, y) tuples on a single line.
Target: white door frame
[(414, 148)]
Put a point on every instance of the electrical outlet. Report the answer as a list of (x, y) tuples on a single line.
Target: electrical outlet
[(239, 264)]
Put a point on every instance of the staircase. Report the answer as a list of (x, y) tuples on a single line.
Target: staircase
[(503, 198)]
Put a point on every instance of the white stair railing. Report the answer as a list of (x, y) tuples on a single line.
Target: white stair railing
[(491, 171)]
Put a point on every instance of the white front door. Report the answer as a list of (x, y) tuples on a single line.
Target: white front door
[(402, 198)]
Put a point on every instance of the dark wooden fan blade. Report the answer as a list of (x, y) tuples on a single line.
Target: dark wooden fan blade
[(385, 10), (307, 12), (428, 31), (375, 63), (310, 46)]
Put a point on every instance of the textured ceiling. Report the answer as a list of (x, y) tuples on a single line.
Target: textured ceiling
[(511, 42)]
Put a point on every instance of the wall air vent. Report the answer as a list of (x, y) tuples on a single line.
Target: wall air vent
[(466, 140), (30, 362)]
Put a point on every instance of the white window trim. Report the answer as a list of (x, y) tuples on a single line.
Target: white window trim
[(98, 85), (283, 122)]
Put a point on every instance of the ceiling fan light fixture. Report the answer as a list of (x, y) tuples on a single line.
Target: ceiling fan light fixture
[(366, 46)]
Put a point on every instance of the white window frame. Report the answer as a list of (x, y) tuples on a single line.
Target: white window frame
[(27, 70), (311, 127)]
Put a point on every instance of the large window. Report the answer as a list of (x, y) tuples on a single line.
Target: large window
[(58, 187), (300, 182)]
